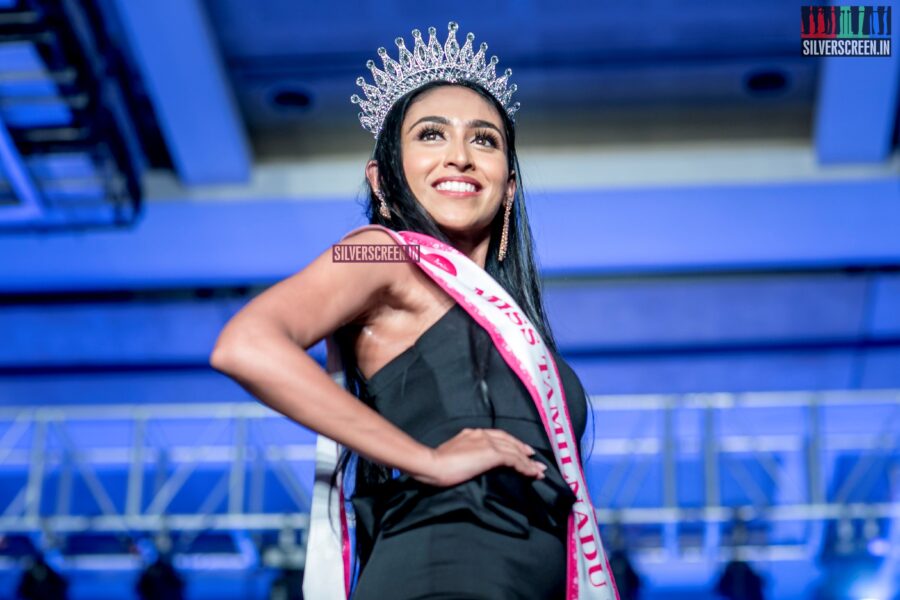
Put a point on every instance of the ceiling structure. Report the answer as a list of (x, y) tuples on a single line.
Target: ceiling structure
[(213, 99), (589, 73), (69, 152)]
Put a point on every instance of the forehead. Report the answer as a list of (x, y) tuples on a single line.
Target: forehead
[(455, 103)]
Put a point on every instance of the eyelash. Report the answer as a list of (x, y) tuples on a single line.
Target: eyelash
[(480, 134)]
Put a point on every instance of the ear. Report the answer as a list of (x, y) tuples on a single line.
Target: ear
[(372, 174), (511, 185)]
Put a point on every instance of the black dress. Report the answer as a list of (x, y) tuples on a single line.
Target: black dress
[(501, 535)]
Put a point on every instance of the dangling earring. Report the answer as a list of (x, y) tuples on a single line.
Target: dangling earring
[(504, 237), (382, 207)]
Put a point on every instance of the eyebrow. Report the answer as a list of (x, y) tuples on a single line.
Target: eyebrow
[(445, 121)]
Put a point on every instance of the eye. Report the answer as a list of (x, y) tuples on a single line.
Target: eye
[(485, 137), (430, 133)]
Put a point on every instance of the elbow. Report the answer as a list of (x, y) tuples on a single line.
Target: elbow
[(225, 351), (219, 357), (235, 346)]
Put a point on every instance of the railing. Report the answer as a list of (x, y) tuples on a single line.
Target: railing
[(702, 447)]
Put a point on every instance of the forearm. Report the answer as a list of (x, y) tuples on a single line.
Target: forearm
[(284, 377)]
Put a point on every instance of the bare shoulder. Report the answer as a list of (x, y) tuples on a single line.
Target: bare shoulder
[(390, 326), (325, 295), (391, 278), (373, 235)]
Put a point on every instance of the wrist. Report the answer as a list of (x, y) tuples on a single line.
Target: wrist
[(423, 467)]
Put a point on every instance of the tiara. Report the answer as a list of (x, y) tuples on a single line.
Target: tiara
[(426, 63)]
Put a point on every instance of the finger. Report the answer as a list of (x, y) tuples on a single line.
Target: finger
[(535, 469), (500, 434), (506, 447), (514, 449), (505, 435), (524, 465)]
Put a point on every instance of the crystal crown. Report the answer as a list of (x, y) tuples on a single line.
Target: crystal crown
[(426, 63)]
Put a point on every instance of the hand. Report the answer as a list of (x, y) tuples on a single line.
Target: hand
[(474, 451)]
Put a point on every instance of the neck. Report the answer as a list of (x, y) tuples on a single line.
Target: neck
[(475, 247)]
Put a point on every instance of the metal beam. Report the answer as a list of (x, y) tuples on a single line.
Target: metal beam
[(672, 435), (13, 167), (175, 49), (600, 231), (856, 108)]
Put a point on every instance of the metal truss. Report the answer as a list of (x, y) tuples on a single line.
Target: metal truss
[(792, 439), (229, 438)]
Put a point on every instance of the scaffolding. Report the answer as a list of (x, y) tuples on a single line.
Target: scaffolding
[(674, 470)]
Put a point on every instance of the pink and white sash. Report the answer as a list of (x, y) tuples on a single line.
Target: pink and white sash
[(521, 346)]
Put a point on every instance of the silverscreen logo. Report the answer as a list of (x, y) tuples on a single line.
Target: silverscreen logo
[(375, 253), (845, 30)]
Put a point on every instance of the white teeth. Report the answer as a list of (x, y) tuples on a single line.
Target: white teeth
[(455, 186)]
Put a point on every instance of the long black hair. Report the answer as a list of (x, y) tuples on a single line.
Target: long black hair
[(517, 273)]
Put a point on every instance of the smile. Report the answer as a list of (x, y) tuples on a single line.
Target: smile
[(455, 186), (452, 187)]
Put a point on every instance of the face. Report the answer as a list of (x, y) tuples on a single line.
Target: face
[(454, 158)]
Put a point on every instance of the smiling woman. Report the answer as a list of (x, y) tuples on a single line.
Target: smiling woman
[(459, 420), (453, 147)]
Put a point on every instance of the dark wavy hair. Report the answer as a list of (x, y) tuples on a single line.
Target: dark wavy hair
[(518, 273)]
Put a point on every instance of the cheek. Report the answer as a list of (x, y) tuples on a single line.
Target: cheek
[(417, 168), (497, 172)]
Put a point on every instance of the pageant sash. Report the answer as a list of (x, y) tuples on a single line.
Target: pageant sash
[(323, 571), (326, 573), (588, 573)]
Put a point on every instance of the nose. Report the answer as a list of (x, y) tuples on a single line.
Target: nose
[(458, 154)]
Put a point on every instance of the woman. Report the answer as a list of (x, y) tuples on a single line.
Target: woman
[(463, 395)]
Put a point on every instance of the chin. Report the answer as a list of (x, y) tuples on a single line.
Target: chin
[(466, 227), (456, 220), (454, 225)]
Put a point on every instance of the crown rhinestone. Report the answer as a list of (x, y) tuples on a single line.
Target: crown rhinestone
[(427, 62), (434, 47)]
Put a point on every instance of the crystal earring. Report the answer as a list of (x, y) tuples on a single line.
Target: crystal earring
[(504, 236), (382, 207)]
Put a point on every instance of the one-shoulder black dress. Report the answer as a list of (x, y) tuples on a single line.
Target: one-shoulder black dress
[(501, 535)]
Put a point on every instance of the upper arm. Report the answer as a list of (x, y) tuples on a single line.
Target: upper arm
[(325, 295)]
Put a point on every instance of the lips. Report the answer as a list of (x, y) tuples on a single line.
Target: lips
[(457, 185)]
